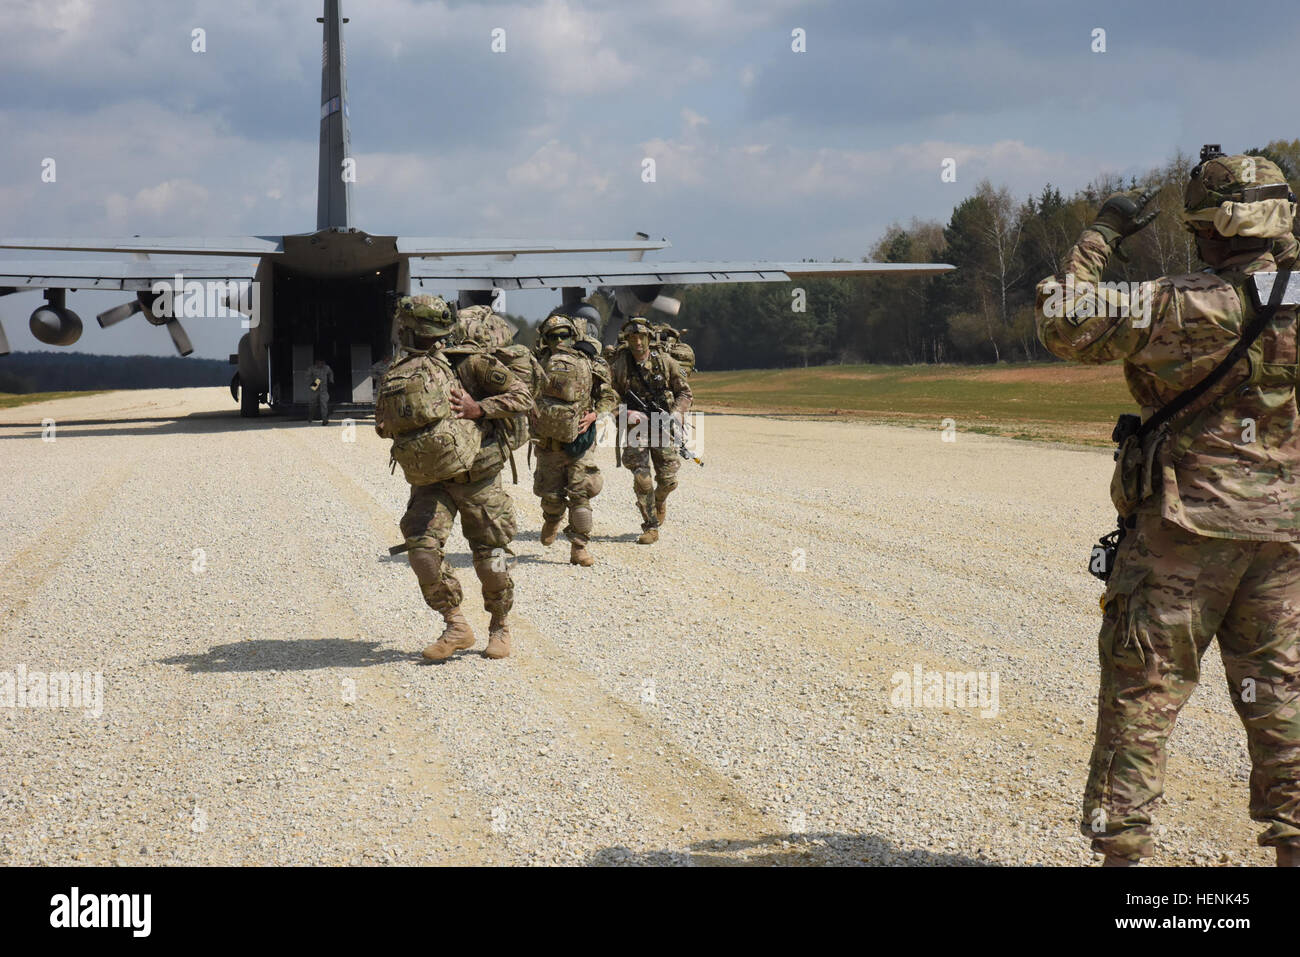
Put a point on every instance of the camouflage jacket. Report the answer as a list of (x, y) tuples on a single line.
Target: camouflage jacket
[(662, 374), (1229, 468)]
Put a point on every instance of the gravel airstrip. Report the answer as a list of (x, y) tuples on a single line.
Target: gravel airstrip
[(727, 696)]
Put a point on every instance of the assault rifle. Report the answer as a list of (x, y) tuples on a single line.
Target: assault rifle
[(677, 431)]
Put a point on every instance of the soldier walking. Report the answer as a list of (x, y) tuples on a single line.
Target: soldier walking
[(438, 408), (575, 391), (643, 377), (319, 378)]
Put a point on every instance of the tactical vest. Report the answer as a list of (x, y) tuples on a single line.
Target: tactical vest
[(414, 406), (565, 395), (656, 378)]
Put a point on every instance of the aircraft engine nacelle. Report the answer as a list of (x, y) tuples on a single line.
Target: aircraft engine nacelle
[(55, 325), (637, 300), (147, 302)]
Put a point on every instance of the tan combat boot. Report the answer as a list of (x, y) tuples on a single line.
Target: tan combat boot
[(648, 537), (550, 528), (661, 512), (578, 555), (498, 645), (457, 636), (1288, 855)]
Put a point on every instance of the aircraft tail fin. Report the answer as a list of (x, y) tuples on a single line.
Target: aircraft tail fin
[(334, 182)]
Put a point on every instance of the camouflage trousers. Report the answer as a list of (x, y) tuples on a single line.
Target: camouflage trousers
[(651, 492), (563, 482), (318, 405), (1171, 592), (487, 519)]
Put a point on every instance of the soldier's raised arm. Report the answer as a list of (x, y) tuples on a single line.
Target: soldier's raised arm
[(1080, 317)]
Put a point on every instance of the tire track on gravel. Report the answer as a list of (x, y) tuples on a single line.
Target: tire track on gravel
[(667, 781), (25, 573)]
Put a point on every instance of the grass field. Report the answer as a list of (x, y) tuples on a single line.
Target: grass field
[(1045, 401), (8, 399)]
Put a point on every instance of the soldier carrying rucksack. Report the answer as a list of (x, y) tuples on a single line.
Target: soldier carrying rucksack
[(440, 406), (670, 341), (483, 330), (575, 391)]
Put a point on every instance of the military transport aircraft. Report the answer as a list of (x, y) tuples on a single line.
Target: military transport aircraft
[(327, 293)]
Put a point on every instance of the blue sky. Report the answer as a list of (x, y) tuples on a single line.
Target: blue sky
[(761, 152)]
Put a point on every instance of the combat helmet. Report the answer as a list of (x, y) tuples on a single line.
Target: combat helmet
[(557, 327), (1243, 199), (637, 325), (482, 327), (423, 317)]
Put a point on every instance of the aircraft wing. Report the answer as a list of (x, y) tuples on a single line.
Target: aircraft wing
[(160, 245), (515, 275), (113, 274), (447, 246), (406, 246)]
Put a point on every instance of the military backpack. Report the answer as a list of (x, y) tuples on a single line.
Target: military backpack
[(413, 408), (564, 397)]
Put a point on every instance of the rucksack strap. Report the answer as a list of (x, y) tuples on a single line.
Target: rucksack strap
[(1252, 332)]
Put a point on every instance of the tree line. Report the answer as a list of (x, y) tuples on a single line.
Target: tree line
[(982, 312), (25, 372)]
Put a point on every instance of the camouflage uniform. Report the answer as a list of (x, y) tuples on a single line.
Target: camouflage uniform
[(487, 516), (486, 512), (318, 401), (669, 387), (1214, 545), (562, 481)]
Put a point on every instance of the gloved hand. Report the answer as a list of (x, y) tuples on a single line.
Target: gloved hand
[(1122, 215)]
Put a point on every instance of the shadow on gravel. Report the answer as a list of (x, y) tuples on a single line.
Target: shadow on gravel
[(786, 850), (298, 654), (196, 423)]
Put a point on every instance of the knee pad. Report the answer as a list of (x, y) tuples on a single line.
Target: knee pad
[(493, 569), (427, 565), (580, 519), (553, 505), (665, 486), (642, 482), (595, 482)]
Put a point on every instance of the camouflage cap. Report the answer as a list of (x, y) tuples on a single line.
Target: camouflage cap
[(1239, 196)]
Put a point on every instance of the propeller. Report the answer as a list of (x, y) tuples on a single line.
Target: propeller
[(4, 343), (180, 339), (111, 317), (144, 303)]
